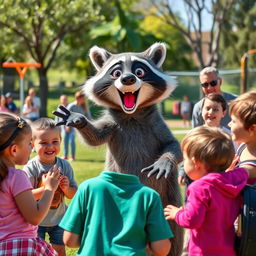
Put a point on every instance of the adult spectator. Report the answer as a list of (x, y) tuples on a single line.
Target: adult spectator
[(10, 103), (3, 106), (28, 110), (211, 83), (79, 106), (35, 103), (186, 110)]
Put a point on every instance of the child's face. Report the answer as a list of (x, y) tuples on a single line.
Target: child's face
[(212, 113), (239, 133), (193, 169), (47, 145), (24, 148)]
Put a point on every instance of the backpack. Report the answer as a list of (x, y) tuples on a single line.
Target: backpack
[(245, 243)]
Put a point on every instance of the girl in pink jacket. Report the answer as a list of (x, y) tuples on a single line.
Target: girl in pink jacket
[(214, 198)]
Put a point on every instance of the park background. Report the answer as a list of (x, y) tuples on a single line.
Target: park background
[(59, 33)]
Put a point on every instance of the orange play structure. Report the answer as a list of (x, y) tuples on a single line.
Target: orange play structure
[(21, 68)]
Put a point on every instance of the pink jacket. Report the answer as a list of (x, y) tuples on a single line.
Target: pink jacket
[(212, 207)]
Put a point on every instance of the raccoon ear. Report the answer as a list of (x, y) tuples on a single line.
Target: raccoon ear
[(157, 53), (98, 56)]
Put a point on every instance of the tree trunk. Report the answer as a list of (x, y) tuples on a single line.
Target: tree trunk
[(43, 91), (9, 76)]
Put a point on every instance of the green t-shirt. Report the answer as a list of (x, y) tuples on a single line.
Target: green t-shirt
[(115, 215)]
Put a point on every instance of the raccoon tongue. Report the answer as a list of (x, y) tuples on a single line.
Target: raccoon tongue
[(129, 100)]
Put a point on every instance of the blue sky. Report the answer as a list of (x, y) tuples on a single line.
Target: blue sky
[(179, 7)]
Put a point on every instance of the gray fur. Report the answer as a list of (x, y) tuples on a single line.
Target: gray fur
[(136, 135)]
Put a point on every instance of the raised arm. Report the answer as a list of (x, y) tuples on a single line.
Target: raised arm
[(94, 133)]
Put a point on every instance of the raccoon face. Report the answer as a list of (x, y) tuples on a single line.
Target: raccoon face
[(129, 81)]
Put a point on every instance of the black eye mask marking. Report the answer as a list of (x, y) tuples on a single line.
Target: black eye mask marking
[(135, 69)]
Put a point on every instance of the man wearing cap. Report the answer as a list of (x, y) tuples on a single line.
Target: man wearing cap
[(10, 103), (211, 83)]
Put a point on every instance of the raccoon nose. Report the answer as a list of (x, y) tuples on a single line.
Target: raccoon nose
[(128, 79)]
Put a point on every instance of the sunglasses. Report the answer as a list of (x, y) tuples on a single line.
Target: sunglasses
[(212, 83)]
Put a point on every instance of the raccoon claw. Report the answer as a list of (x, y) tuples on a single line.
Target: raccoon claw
[(161, 168), (70, 118)]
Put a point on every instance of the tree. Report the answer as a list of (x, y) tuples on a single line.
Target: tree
[(239, 34), (120, 31), (9, 48), (178, 50), (192, 30), (42, 25), (123, 31)]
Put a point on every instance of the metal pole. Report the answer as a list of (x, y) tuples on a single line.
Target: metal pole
[(21, 95)]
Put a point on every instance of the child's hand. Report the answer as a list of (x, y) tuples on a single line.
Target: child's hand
[(51, 180), (64, 183), (170, 212), (181, 180), (43, 179)]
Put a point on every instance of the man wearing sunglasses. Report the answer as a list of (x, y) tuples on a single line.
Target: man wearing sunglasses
[(210, 83)]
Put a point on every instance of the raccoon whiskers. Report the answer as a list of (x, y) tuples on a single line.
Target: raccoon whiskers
[(102, 90), (156, 88)]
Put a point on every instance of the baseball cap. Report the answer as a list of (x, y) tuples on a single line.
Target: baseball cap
[(8, 94)]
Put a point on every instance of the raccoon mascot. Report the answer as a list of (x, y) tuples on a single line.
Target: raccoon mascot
[(138, 141)]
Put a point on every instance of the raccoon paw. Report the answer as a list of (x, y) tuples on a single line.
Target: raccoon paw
[(70, 118), (162, 167)]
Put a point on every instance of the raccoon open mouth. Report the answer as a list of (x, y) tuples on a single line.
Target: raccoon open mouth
[(129, 99)]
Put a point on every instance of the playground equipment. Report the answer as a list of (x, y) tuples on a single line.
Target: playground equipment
[(244, 70), (21, 68)]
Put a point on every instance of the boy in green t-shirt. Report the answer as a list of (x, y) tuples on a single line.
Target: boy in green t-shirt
[(114, 214)]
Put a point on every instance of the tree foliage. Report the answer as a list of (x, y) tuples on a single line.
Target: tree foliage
[(192, 29), (41, 26), (178, 50), (239, 33)]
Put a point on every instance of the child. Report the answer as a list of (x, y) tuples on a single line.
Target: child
[(243, 126), (46, 140), (214, 198), (19, 212), (114, 214), (186, 110), (213, 110)]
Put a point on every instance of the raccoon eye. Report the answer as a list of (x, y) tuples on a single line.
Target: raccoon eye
[(116, 73), (139, 72)]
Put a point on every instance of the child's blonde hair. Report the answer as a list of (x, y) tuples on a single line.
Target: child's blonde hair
[(210, 146), (244, 107), (44, 123), (12, 131)]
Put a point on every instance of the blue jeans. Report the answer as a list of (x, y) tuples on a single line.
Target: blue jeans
[(55, 234), (69, 138)]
